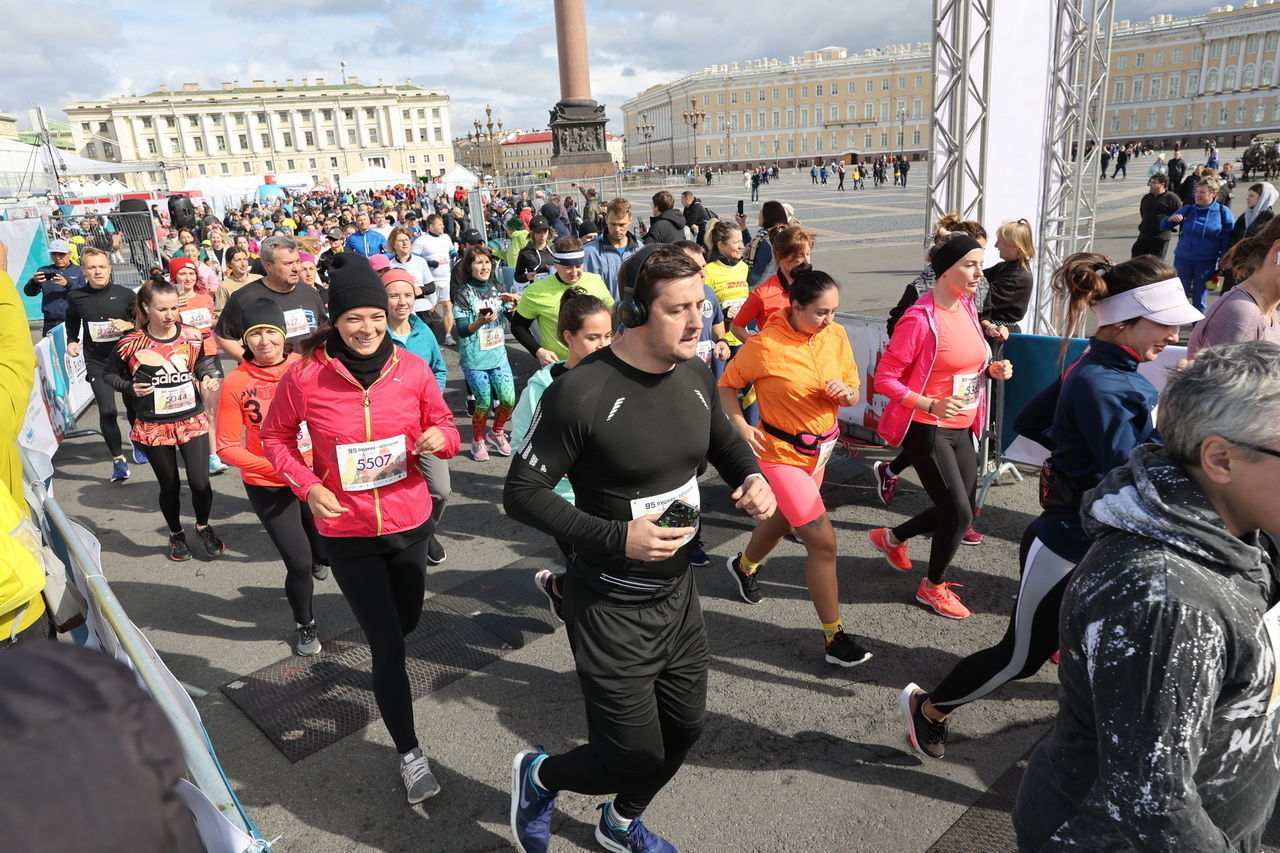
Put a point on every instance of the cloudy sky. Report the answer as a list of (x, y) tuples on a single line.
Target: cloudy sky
[(498, 52)]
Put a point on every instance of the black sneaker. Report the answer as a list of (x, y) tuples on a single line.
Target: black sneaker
[(320, 571), (436, 554), (926, 736), (843, 650), (748, 586), (697, 554), (213, 546), (545, 580), (178, 550)]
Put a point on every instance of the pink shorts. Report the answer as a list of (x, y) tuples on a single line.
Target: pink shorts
[(797, 490)]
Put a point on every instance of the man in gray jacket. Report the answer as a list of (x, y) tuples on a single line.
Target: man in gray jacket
[(1166, 736)]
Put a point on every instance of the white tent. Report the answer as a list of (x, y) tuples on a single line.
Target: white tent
[(374, 178), (459, 176), (18, 156)]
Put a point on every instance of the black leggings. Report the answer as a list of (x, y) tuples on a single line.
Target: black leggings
[(385, 592), (195, 458), (292, 529), (947, 465), (108, 416), (1031, 638)]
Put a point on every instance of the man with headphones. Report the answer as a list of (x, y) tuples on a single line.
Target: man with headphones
[(630, 427)]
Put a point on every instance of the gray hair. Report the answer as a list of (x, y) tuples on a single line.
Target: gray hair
[(268, 248), (1231, 391)]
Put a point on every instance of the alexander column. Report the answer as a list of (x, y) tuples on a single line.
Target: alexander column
[(577, 122)]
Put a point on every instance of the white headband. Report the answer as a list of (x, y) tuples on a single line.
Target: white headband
[(1163, 302), (571, 259)]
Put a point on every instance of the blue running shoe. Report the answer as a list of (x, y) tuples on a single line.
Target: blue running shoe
[(119, 470), (139, 455), (531, 806), (216, 465), (636, 838)]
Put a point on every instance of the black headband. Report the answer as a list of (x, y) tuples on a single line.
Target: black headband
[(946, 255)]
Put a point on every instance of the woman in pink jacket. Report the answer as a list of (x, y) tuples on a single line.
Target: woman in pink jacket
[(371, 410), (934, 374)]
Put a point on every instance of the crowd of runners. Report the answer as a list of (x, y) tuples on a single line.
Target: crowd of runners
[(301, 342)]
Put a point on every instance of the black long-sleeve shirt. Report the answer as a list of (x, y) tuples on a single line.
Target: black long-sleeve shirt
[(629, 442), (1009, 286), (94, 308), (1153, 209)]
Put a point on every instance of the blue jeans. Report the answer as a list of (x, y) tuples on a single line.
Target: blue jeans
[(1194, 274)]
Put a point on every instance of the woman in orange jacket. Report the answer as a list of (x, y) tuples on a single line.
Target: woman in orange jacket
[(804, 372), (246, 398)]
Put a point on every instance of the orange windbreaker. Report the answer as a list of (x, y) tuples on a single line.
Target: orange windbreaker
[(789, 369), (246, 396)]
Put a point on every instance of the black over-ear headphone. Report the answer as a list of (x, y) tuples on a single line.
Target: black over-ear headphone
[(632, 311)]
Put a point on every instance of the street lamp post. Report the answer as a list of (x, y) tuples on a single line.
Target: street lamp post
[(694, 117), (902, 131), (646, 130), (489, 131)]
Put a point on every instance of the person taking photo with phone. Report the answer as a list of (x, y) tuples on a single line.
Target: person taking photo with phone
[(478, 312), (53, 281)]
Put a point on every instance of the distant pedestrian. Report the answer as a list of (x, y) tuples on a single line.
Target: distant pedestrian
[(840, 172), (904, 167)]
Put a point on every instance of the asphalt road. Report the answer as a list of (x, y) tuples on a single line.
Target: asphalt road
[(795, 756)]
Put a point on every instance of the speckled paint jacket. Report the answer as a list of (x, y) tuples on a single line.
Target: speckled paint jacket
[(1166, 730)]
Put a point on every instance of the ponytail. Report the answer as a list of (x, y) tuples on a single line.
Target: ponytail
[(576, 305), (155, 284), (1244, 258), (1086, 278)]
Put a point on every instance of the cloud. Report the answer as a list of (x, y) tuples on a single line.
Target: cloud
[(628, 72)]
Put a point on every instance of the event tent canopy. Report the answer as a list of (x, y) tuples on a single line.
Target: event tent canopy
[(18, 156), (374, 178)]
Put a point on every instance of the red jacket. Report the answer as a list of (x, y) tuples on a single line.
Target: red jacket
[(243, 406), (402, 402)]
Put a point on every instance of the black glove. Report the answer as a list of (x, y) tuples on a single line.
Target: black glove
[(433, 264)]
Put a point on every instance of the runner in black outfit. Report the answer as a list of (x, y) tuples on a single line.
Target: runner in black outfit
[(106, 311), (629, 427)]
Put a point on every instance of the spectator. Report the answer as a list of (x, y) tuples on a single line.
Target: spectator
[(53, 281)]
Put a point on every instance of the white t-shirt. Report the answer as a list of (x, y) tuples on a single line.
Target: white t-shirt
[(436, 248)]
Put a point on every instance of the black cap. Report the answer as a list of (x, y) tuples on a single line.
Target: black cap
[(470, 236), (353, 284), (539, 223), (261, 312), (334, 234)]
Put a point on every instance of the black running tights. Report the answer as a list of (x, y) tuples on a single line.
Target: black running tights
[(947, 464), (195, 458), (385, 592), (292, 530), (108, 416)]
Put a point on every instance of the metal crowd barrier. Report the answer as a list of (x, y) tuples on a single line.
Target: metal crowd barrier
[(203, 769)]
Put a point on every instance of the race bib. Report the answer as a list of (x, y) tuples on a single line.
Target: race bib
[(1271, 621), (657, 503), (102, 331), (172, 399), (731, 306), (304, 438), (824, 452), (968, 387), (372, 464), (705, 351), (492, 338), (201, 318), (296, 323), (423, 304)]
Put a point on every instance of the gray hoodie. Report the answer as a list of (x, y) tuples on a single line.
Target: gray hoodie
[(1164, 738)]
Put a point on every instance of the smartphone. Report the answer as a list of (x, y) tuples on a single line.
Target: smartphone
[(679, 514), (740, 210)]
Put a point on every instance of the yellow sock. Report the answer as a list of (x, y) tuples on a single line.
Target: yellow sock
[(830, 629), (748, 566)]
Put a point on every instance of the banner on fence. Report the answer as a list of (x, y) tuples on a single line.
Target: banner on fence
[(28, 251), (868, 339), (61, 391)]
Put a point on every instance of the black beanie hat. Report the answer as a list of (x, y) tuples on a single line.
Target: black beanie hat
[(946, 255), (353, 284), (261, 312)]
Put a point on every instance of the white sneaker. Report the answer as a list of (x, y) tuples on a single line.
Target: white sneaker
[(449, 341), (415, 772)]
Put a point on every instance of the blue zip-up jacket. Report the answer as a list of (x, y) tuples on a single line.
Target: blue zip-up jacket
[(605, 261), (421, 341), (372, 243), (53, 297), (1206, 231), (1089, 420)]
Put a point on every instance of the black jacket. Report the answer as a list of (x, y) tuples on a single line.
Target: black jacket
[(667, 228), (1163, 739), (1009, 286), (1153, 209), (1177, 171)]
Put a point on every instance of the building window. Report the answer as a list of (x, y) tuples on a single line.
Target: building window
[(266, 140), (270, 165), (1222, 115), (369, 113), (288, 139), (720, 99), (775, 95), (173, 145), (220, 142), (917, 107), (108, 150), (1215, 50), (326, 115), (261, 118), (1268, 74), (1258, 113), (1168, 120), (835, 88), (919, 80), (902, 82), (1115, 123), (818, 143), (884, 84), (884, 139), (333, 162), (884, 110), (146, 122), (330, 137), (1247, 82), (1151, 120), (1233, 47), (1193, 83), (804, 117), (1139, 60), (868, 110), (311, 163), (1186, 119), (1155, 88), (1122, 61), (1137, 88), (804, 91), (1177, 55), (435, 113), (288, 164), (225, 168), (748, 96), (1275, 111), (1240, 113), (791, 145), (1229, 79), (351, 136), (1211, 80), (349, 115), (309, 138), (151, 146), (1252, 45), (817, 90), (791, 118), (866, 141), (746, 118), (915, 137), (194, 121), (439, 135), (199, 143), (1133, 122), (1271, 41), (247, 167), (1158, 58), (239, 119), (1173, 87), (1197, 51), (413, 161), (869, 85), (305, 115), (244, 141), (1118, 93)]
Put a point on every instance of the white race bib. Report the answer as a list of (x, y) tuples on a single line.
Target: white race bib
[(304, 438), (824, 452), (967, 386), (172, 399), (492, 338), (658, 503), (102, 331), (201, 318), (705, 350), (372, 464), (296, 323), (1271, 621)]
